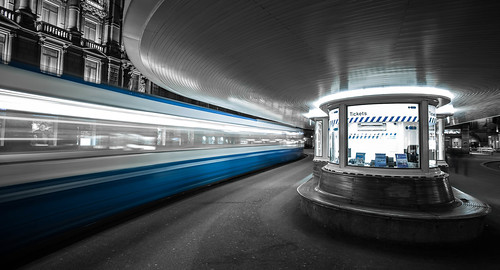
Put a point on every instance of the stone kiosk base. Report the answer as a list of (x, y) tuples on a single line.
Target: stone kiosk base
[(392, 208), (317, 165)]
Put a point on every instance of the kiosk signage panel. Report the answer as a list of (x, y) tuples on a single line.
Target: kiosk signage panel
[(319, 138), (334, 136)]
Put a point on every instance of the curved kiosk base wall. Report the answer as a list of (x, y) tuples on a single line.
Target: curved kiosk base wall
[(380, 208), (317, 165)]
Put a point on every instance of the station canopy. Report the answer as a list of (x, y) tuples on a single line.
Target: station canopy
[(274, 59)]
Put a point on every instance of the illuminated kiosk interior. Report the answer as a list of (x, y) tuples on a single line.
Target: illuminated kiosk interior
[(382, 178)]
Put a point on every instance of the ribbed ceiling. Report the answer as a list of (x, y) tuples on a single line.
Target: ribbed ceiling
[(273, 59)]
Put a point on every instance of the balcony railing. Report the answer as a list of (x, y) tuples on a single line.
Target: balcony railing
[(9, 14), (90, 44), (53, 30)]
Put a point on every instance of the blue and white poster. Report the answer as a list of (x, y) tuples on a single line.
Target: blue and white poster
[(360, 159), (401, 161), (380, 160)]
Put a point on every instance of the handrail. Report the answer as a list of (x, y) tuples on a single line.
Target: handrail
[(52, 29), (93, 45), (9, 14)]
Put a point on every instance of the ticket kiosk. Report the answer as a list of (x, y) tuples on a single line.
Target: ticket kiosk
[(382, 178)]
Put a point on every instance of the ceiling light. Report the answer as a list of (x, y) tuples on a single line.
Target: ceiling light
[(394, 90)]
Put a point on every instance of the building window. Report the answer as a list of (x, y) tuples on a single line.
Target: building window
[(49, 13), (9, 4), (92, 71), (156, 90), (383, 135), (134, 82), (89, 30), (2, 129), (4, 52), (113, 74), (50, 61)]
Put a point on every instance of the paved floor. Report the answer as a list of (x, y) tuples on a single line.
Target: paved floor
[(254, 222)]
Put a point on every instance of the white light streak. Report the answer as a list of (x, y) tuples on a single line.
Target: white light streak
[(256, 108), (17, 101), (316, 112), (446, 110)]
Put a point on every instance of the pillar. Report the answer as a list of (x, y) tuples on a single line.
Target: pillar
[(441, 148), (321, 148), (440, 133), (112, 26), (25, 17), (465, 139), (24, 5), (73, 25), (321, 138)]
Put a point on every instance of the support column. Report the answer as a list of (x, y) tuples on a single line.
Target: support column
[(440, 134), (73, 25), (73, 15), (424, 136), (441, 149), (343, 136), (320, 144), (25, 17), (465, 139), (321, 138), (112, 26)]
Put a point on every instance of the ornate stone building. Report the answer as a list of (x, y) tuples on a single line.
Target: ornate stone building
[(76, 39)]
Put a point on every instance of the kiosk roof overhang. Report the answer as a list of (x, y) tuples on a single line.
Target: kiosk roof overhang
[(436, 96)]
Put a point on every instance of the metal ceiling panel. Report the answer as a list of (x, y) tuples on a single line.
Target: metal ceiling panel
[(273, 59)]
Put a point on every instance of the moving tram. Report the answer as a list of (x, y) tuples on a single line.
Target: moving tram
[(72, 154)]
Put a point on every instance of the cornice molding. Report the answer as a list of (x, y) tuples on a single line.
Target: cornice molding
[(97, 8)]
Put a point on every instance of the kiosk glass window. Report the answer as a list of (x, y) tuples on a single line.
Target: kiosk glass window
[(383, 135), (432, 137), (318, 138), (333, 136)]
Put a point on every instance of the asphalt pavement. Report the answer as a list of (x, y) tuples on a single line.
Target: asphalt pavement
[(254, 222)]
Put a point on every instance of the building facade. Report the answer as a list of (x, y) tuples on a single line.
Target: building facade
[(80, 39)]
